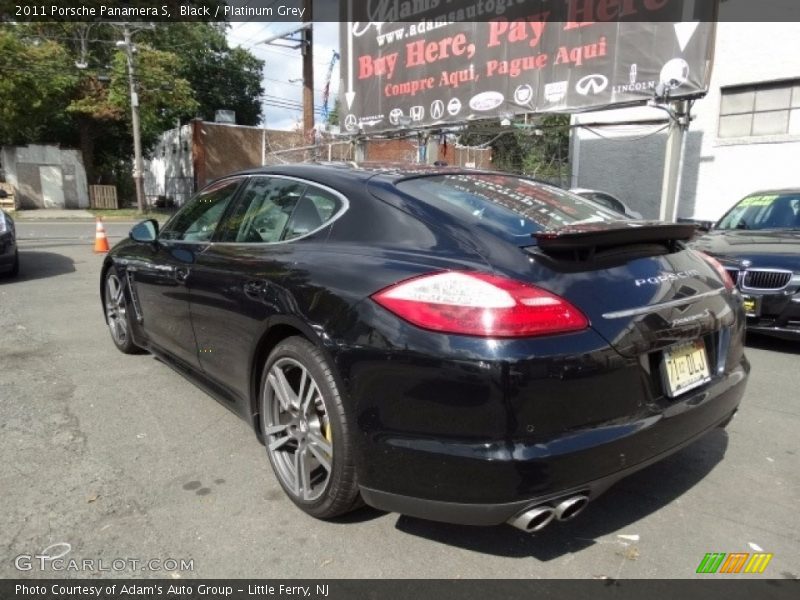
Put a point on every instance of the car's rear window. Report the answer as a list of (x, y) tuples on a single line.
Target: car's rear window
[(764, 211), (512, 206)]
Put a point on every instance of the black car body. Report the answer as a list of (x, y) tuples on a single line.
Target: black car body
[(758, 242), (436, 405), (9, 255)]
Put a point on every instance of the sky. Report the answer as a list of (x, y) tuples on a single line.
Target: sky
[(283, 71)]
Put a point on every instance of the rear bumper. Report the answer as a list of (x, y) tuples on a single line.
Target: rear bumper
[(523, 475)]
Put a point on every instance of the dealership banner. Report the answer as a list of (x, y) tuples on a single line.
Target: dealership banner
[(443, 68)]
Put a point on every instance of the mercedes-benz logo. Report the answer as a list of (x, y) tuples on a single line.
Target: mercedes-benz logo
[(351, 122), (591, 84)]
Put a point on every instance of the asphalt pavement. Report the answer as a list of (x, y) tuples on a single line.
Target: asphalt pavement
[(111, 457)]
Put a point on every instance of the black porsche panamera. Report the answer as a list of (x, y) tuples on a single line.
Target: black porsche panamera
[(464, 346)]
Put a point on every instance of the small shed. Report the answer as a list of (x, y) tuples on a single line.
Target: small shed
[(45, 176)]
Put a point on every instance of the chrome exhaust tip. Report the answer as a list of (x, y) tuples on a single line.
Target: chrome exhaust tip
[(570, 508), (533, 519)]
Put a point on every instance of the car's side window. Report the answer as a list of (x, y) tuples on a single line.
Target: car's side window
[(314, 209), (263, 211), (197, 221)]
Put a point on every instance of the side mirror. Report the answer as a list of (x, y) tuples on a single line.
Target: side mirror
[(146, 231)]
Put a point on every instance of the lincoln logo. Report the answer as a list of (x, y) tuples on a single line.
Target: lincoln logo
[(665, 277)]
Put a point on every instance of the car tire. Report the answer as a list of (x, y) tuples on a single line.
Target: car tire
[(117, 315), (306, 430)]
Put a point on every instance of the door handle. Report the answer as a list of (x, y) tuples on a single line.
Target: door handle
[(181, 274)]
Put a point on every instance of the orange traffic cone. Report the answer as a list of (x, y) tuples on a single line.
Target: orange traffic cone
[(100, 240)]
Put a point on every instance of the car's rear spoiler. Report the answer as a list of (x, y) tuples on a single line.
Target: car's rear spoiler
[(588, 236)]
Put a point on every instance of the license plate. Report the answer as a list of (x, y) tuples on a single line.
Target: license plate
[(750, 306), (685, 367)]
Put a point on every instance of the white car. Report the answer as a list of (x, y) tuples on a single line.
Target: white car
[(608, 201)]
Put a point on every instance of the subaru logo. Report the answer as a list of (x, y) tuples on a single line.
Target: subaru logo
[(591, 84)]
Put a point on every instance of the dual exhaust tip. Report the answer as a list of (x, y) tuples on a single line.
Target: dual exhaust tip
[(538, 517)]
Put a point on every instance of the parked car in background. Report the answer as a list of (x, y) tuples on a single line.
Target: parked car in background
[(608, 201), (464, 346), (9, 255), (758, 242)]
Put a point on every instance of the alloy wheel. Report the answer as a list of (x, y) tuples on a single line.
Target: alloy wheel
[(298, 431), (116, 310)]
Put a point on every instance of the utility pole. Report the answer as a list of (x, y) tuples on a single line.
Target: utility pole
[(308, 77), (305, 43), (138, 165)]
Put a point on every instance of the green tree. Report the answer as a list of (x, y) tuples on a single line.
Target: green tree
[(163, 97), (35, 84), (333, 115), (222, 78), (538, 148), (546, 156), (67, 83)]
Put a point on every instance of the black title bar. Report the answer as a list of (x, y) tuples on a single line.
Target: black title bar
[(396, 11)]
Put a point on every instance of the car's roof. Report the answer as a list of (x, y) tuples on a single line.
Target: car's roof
[(775, 192), (352, 172)]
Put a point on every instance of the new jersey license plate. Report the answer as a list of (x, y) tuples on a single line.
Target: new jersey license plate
[(750, 306), (685, 367)]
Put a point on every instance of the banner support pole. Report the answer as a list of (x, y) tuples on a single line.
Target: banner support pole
[(673, 162)]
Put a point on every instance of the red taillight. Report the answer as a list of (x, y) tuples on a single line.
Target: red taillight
[(724, 275), (479, 304)]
